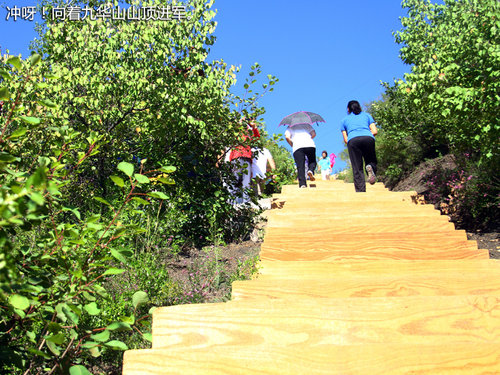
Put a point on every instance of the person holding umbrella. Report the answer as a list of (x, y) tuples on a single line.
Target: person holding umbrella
[(300, 135), (359, 130)]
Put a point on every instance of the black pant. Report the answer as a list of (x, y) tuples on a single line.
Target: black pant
[(361, 148), (299, 156)]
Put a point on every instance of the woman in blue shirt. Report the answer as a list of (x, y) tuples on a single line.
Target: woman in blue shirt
[(359, 130)]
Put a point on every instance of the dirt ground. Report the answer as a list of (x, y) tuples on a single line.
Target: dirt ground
[(489, 241), (222, 262)]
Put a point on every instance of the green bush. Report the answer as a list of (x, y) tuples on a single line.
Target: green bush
[(396, 157), (54, 258), (468, 195)]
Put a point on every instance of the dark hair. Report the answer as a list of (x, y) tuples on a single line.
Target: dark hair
[(354, 107), (324, 152)]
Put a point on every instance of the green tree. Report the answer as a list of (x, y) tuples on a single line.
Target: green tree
[(52, 257), (448, 103), (454, 52), (149, 90)]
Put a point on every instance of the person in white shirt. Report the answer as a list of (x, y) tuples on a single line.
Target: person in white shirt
[(261, 158), (300, 137)]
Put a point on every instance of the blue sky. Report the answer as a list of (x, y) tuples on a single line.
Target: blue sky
[(324, 52)]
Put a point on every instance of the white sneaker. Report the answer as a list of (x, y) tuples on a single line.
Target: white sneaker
[(371, 175), (311, 176)]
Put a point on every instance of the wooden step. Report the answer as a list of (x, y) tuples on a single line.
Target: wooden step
[(370, 251), (380, 268), (343, 205), (305, 289), (333, 215), (323, 187), (343, 200), (345, 196), (378, 359), (306, 280), (329, 321), (354, 207), (351, 283), (326, 229), (271, 237), (360, 244), (302, 222)]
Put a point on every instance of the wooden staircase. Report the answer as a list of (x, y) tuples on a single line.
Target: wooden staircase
[(350, 283)]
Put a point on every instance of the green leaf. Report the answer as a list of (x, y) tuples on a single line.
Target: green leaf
[(35, 59), (31, 335), (71, 312), (88, 296), (99, 199), (37, 198), (79, 370), (73, 210), (18, 133), (128, 319), (118, 345), (118, 181), (47, 103), (113, 271), (93, 218), (119, 326), (167, 181), (39, 353), (126, 168), (16, 62), (5, 75), (157, 194), (169, 169), (101, 337), (119, 230), (53, 348), (95, 352), (7, 158), (30, 120), (19, 302), (140, 200), (139, 298), (92, 309), (148, 336), (90, 344), (56, 339), (121, 255), (4, 93), (141, 178)]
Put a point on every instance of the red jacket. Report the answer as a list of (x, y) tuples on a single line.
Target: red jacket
[(244, 151)]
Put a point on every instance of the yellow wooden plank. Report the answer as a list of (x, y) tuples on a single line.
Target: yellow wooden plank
[(379, 268), (306, 280), (327, 236), (318, 222), (369, 251), (382, 359), (360, 245), (291, 320), (326, 228), (329, 321), (356, 209)]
